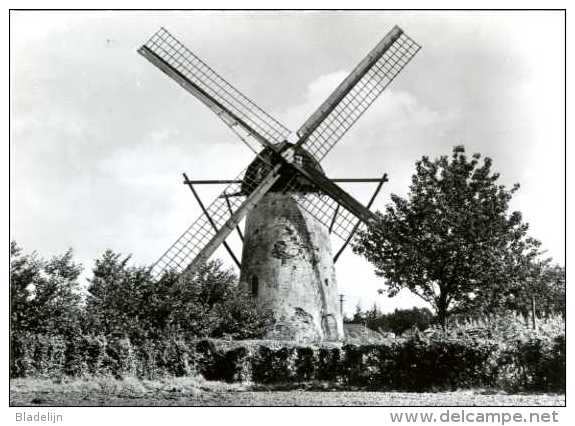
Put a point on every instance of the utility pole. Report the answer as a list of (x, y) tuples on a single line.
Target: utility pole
[(533, 316), (341, 305)]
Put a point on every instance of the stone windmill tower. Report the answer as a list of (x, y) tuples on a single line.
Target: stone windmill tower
[(291, 207)]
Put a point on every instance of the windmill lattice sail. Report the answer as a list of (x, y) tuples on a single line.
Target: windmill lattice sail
[(257, 128), (287, 263), (325, 209), (348, 110), (194, 239), (238, 112)]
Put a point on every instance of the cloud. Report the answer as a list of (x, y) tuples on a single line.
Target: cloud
[(100, 138), (396, 118), (315, 93), (391, 113)]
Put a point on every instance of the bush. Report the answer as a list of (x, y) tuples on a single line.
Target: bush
[(534, 364), (507, 356), (127, 300), (396, 322), (87, 355), (44, 294), (441, 362), (275, 365), (330, 364), (37, 355)]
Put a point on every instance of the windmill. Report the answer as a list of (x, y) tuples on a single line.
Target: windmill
[(291, 207)]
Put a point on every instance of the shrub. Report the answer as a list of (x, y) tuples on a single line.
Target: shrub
[(441, 361), (209, 303), (275, 365), (170, 356), (87, 355), (534, 364), (236, 365), (306, 363), (330, 364), (44, 294), (37, 355), (506, 355)]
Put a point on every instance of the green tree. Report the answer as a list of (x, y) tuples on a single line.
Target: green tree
[(126, 300), (118, 297), (44, 294), (402, 320), (553, 291), (544, 290), (24, 274), (209, 303), (396, 322), (452, 238), (542, 285), (358, 315)]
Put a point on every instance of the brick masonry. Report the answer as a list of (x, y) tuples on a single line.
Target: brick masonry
[(287, 264)]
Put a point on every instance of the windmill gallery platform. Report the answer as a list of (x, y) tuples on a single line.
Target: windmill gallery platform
[(291, 208)]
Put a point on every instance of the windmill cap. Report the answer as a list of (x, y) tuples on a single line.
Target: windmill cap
[(255, 172)]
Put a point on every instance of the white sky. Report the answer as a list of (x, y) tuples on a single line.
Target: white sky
[(99, 137)]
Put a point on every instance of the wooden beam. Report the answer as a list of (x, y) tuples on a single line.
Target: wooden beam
[(334, 217), (210, 182), (228, 248), (352, 233), (334, 191), (227, 182), (231, 211), (358, 180), (338, 194)]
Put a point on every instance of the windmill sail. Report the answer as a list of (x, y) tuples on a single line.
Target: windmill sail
[(328, 203), (356, 93), (238, 112), (329, 212), (209, 230)]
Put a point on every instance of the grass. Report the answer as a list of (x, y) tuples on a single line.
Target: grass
[(196, 391)]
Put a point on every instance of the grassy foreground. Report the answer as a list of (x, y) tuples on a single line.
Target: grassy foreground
[(194, 391)]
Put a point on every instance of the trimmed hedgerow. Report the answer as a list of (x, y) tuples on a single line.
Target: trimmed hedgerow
[(534, 364), (330, 364), (443, 360)]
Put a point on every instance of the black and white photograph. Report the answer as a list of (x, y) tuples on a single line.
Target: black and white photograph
[(288, 208)]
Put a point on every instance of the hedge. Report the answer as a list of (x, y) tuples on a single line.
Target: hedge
[(419, 363)]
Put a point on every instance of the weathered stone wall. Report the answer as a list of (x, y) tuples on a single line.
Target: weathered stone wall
[(287, 263)]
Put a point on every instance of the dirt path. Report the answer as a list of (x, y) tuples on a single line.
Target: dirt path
[(293, 398)]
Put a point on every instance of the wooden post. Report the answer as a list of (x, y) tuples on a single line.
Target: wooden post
[(351, 234), (231, 212), (333, 219), (197, 197)]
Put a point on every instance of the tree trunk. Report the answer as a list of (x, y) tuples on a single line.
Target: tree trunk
[(441, 303)]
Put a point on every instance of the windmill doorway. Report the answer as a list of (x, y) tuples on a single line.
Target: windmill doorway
[(254, 286)]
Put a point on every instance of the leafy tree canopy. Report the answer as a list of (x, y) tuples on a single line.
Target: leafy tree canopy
[(126, 300), (453, 237), (44, 294), (396, 322)]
